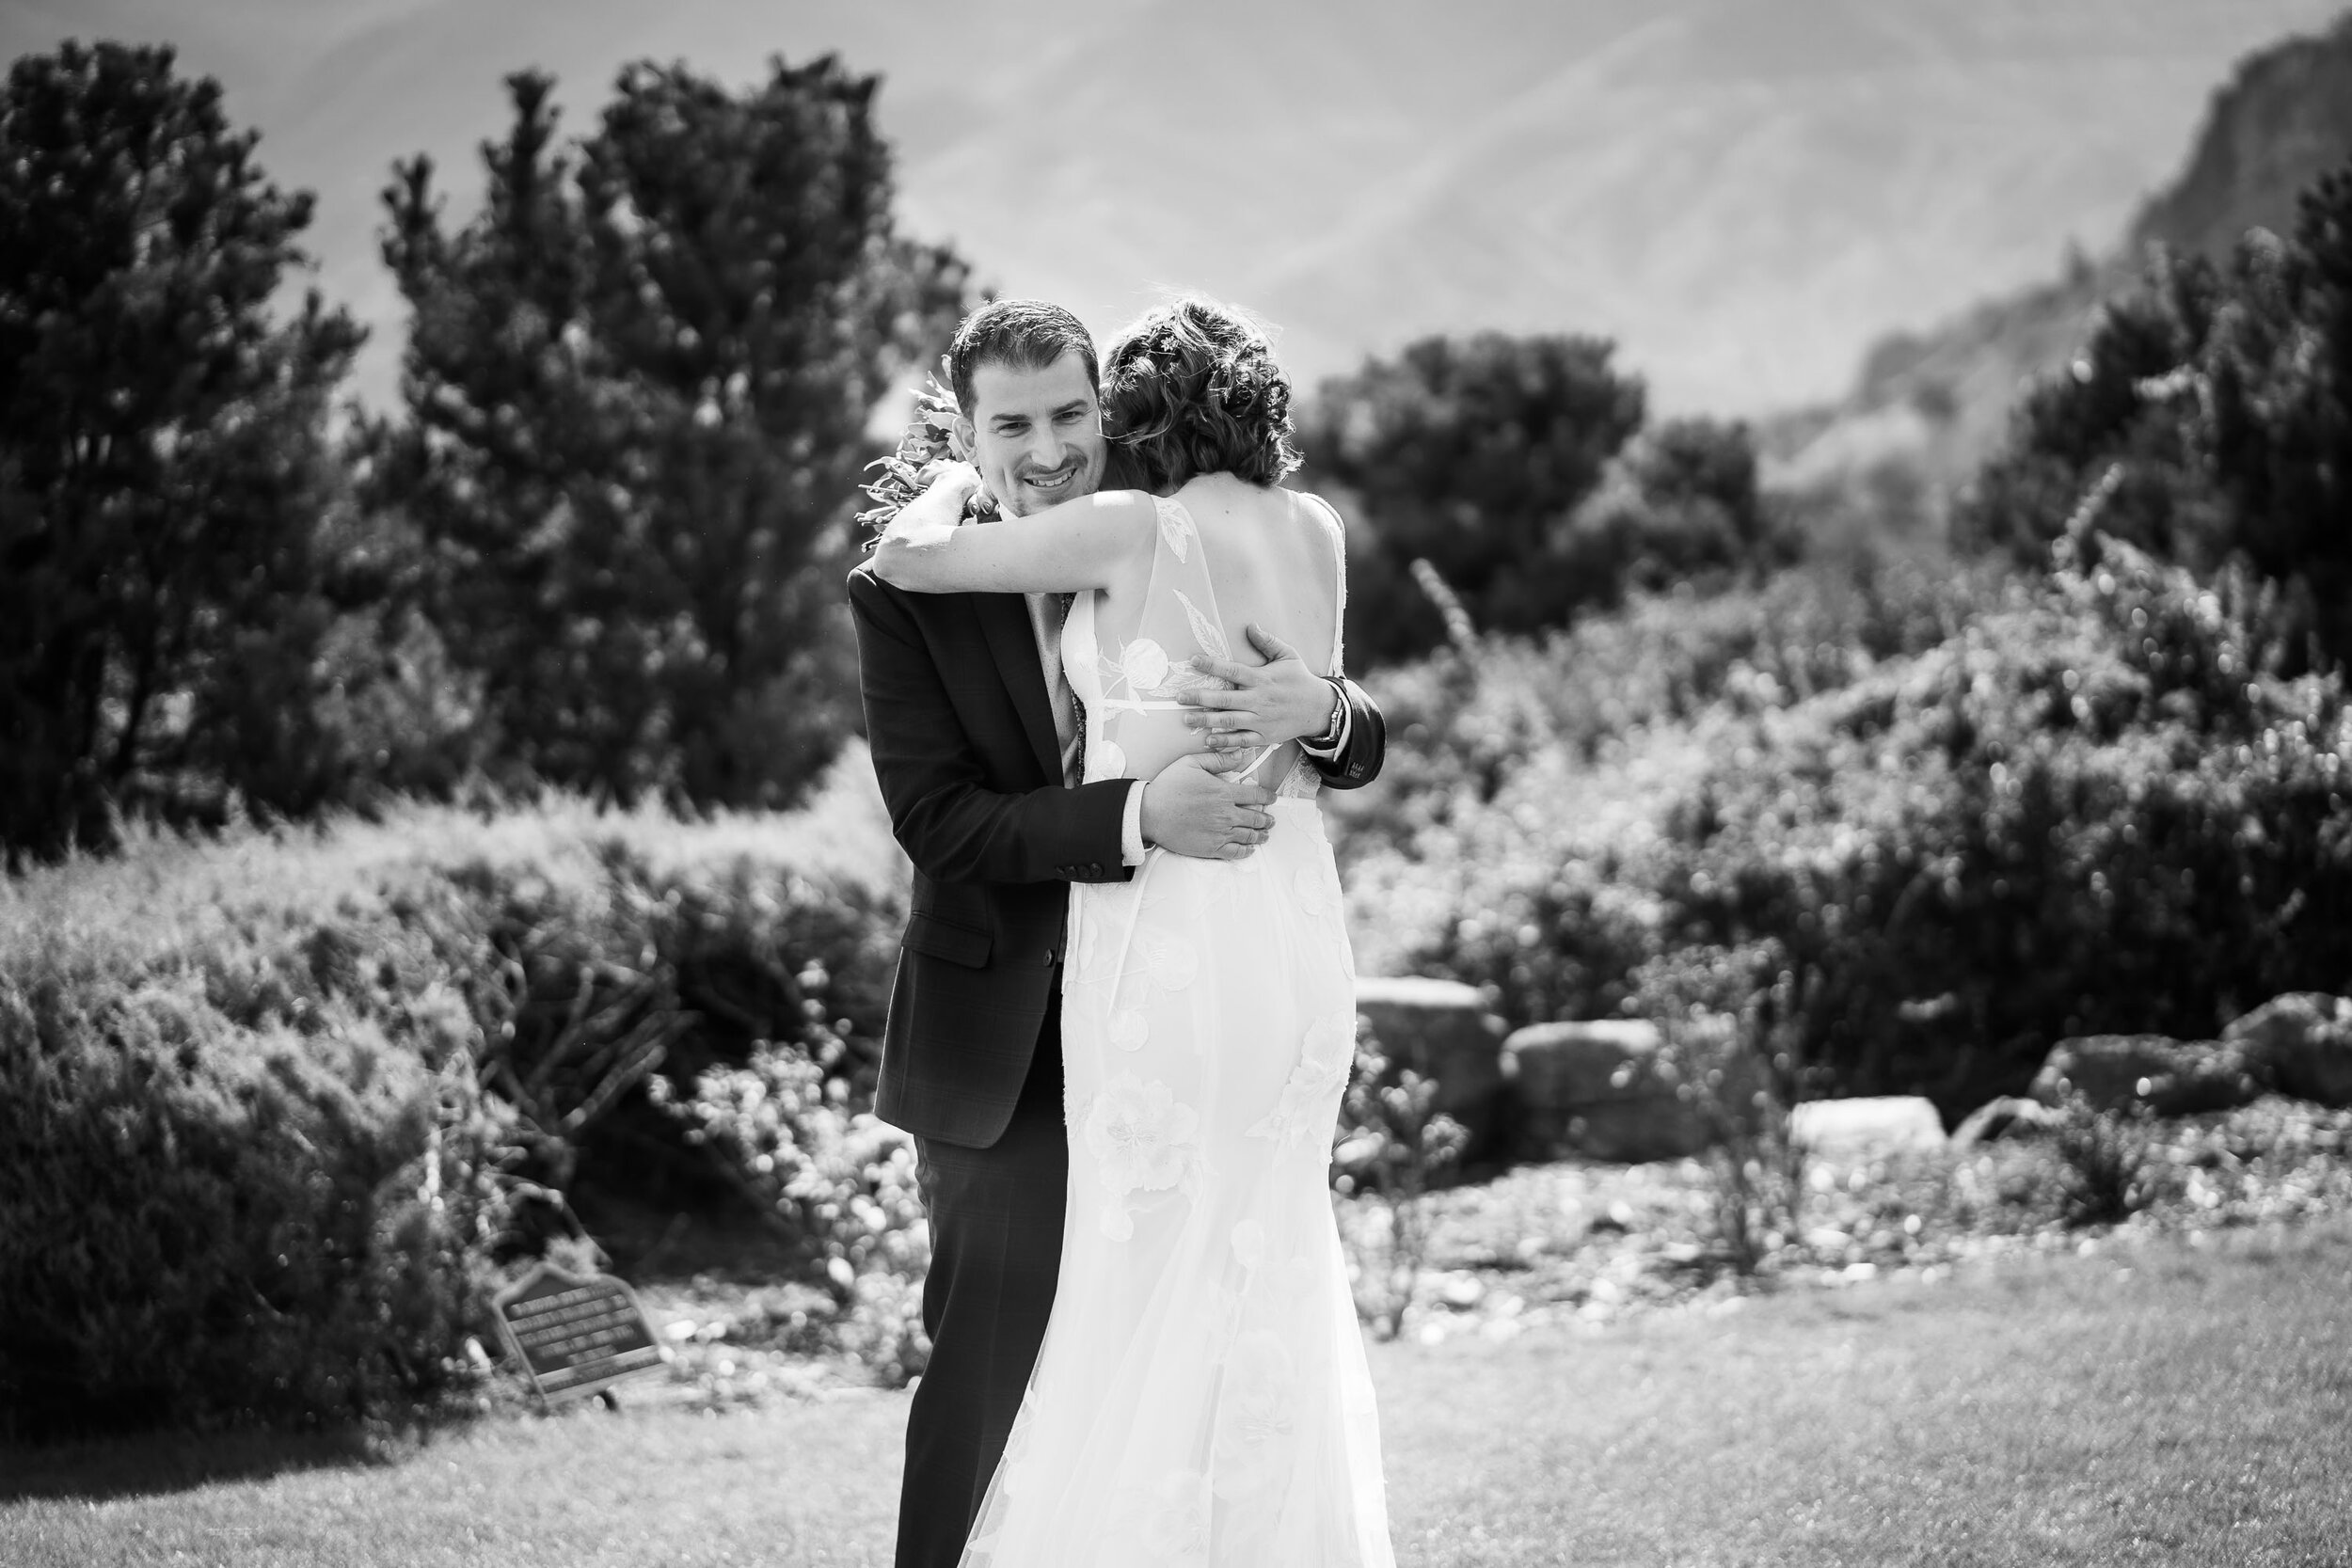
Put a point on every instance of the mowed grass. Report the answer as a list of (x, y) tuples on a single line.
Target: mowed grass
[(2155, 1404)]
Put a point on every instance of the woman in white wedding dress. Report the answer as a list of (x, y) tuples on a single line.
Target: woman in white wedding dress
[(1202, 1397)]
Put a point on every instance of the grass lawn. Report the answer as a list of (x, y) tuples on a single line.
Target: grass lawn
[(2156, 1403)]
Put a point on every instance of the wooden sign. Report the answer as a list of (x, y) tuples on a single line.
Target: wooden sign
[(577, 1336)]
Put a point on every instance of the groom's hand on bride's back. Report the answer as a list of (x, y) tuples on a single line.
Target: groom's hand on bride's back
[(1189, 808)]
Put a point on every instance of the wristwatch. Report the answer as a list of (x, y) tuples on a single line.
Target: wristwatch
[(1330, 735)]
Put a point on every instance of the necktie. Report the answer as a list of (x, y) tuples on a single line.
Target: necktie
[(1073, 757), (1047, 612)]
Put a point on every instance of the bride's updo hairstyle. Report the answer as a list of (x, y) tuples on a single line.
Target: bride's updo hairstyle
[(1193, 388)]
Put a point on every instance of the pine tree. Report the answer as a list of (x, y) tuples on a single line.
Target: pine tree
[(162, 452), (635, 397)]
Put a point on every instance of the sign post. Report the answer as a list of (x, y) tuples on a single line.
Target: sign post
[(577, 1336)]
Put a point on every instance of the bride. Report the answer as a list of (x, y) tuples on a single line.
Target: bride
[(1201, 1396)]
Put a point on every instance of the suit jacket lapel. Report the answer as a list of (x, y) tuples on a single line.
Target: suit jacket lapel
[(1005, 619)]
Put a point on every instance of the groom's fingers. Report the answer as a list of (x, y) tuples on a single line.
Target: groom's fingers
[(1226, 671), (1267, 643)]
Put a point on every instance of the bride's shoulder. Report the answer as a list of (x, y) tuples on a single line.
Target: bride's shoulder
[(1323, 512)]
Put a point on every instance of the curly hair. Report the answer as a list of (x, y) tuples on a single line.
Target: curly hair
[(1193, 388), (1026, 334)]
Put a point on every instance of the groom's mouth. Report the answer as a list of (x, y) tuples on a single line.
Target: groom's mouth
[(1053, 484)]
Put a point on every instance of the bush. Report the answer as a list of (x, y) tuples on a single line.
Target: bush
[(1391, 1147), (2212, 414), (269, 1100), (2090, 803), (839, 1184), (230, 1191), (1516, 840), (1726, 1016), (2098, 809), (2106, 1166)]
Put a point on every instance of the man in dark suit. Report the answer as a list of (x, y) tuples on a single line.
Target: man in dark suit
[(975, 739)]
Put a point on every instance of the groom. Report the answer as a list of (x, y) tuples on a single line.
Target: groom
[(977, 741)]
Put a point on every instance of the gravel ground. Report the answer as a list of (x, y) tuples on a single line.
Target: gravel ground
[(1593, 1245)]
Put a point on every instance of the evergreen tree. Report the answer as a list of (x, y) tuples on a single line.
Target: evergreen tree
[(2208, 419), (1472, 454), (1680, 503), (162, 454), (635, 396)]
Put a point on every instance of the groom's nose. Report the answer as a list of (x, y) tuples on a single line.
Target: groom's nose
[(1047, 449)]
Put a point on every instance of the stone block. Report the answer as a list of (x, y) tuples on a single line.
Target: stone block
[(2152, 1073), (1441, 1030), (1592, 1089), (1868, 1127), (2299, 1044)]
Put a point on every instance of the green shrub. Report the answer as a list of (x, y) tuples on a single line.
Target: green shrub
[(2107, 1169), (228, 1191), (1731, 1051), (1514, 838), (839, 1184), (2098, 809), (2211, 417), (263, 1098), (1392, 1145), (2088, 803)]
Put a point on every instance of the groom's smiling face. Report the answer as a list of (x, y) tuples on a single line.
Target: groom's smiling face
[(1036, 434)]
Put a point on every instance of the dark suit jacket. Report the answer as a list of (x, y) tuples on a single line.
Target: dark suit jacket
[(962, 738)]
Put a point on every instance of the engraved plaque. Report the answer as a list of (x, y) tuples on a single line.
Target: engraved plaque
[(577, 1335)]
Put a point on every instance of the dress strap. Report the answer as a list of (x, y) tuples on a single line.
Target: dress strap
[(1338, 532)]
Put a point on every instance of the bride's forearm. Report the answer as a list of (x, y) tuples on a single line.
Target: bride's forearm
[(1076, 546), (914, 551)]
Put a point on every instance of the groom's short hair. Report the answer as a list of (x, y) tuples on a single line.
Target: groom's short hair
[(1026, 334)]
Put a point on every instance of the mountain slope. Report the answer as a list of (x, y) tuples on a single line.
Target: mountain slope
[(1742, 194), (2283, 120), (1940, 399)]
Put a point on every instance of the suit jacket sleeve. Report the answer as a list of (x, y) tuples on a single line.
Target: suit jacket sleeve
[(950, 822), (1358, 762)]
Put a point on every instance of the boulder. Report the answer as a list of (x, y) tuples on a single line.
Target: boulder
[(1868, 1127), (2008, 1116), (1593, 1089), (2300, 1044), (2154, 1072), (1441, 1030)]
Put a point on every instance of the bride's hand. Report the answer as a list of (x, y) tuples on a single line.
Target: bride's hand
[(932, 516), (949, 473)]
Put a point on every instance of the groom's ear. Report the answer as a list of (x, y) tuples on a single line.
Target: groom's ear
[(962, 436)]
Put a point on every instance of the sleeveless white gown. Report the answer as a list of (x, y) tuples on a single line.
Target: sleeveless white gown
[(1202, 1397)]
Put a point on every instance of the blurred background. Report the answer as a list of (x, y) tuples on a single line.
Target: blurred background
[(1848, 510)]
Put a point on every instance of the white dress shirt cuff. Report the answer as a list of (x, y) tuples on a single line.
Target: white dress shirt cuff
[(1339, 744), (1131, 828)]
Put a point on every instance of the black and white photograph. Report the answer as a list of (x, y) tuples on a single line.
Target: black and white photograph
[(1167, 783)]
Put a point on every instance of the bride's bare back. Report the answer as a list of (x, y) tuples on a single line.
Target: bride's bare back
[(1254, 555)]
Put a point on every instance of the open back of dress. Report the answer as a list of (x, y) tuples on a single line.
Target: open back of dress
[(1202, 1397)]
